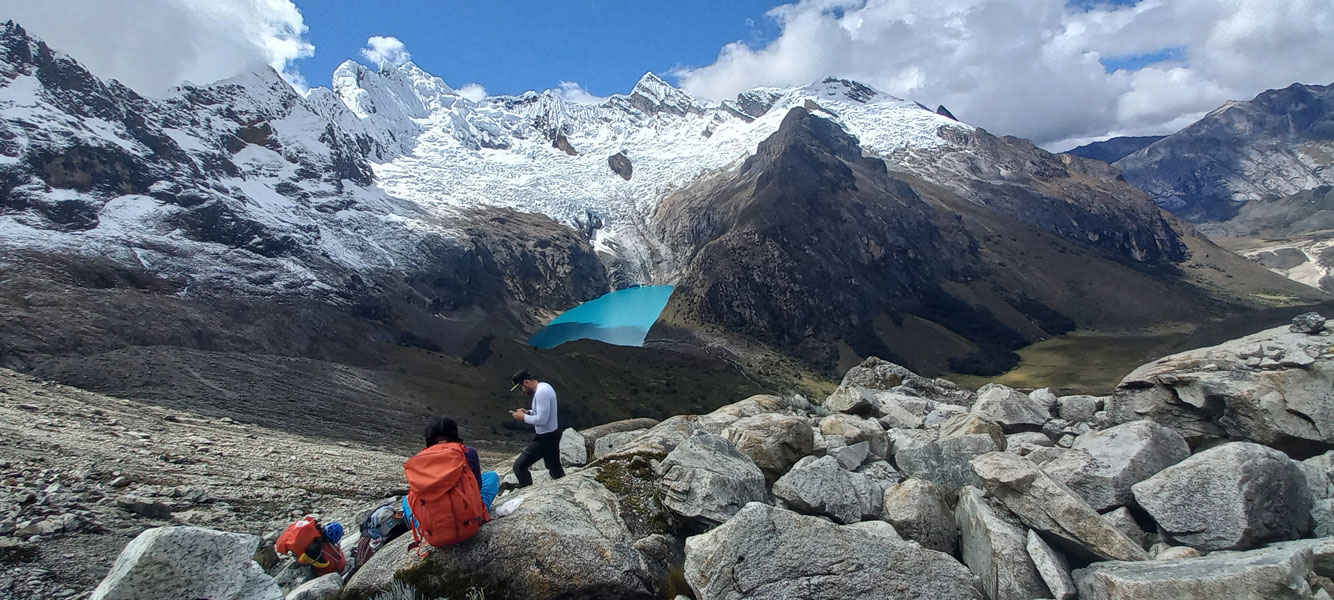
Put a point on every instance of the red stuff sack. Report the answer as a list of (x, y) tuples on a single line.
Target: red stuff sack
[(443, 497)]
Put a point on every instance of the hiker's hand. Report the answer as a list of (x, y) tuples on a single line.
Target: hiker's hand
[(519, 414)]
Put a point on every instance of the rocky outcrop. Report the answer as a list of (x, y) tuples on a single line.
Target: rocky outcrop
[(770, 553), (169, 563), (1233, 497), (620, 165), (1275, 387)]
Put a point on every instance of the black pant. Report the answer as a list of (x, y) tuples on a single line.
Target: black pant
[(545, 446)]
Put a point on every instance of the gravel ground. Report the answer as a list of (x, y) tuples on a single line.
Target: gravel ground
[(81, 474)]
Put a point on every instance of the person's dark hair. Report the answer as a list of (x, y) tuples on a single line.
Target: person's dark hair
[(442, 429)]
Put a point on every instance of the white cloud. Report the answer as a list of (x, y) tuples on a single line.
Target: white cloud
[(1034, 67), (385, 50), (573, 92), (472, 91), (152, 45)]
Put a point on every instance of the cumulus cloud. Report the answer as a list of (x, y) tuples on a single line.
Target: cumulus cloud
[(385, 51), (1040, 68), (472, 91), (573, 92), (152, 45)]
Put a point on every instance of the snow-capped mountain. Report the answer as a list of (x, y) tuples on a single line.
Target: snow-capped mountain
[(393, 196), (350, 176)]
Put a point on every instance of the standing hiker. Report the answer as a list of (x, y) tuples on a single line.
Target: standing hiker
[(542, 416)]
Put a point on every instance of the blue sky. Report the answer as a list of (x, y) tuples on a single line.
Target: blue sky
[(515, 46), (1060, 72)]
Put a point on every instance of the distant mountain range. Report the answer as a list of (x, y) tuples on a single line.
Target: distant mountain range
[(1256, 176), (390, 223), (1114, 149)]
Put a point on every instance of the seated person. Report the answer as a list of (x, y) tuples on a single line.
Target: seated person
[(444, 429), (313, 545)]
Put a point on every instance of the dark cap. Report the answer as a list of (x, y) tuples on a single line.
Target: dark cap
[(519, 378)]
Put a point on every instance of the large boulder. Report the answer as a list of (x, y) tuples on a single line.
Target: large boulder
[(1079, 409), (593, 434), (1015, 411), (724, 416), (659, 439), (945, 463), (170, 563), (819, 485), (1102, 465), (614, 441), (1265, 574), (321, 588), (766, 553), (567, 540), (706, 481), (969, 424), (573, 448), (855, 429), (1049, 507), (919, 511), (1319, 471), (1275, 387), (774, 441), (995, 548), (1232, 497), (1053, 568)]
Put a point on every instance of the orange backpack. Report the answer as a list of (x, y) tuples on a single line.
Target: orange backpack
[(443, 496), (305, 538)]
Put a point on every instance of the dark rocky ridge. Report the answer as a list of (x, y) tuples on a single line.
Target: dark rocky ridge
[(1242, 152), (1114, 149), (954, 258)]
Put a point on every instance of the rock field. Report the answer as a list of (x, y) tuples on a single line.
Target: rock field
[(1204, 474)]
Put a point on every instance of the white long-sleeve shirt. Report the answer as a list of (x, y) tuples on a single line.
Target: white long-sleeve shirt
[(542, 414)]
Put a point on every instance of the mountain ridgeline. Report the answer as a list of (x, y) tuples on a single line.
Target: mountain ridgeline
[(389, 243)]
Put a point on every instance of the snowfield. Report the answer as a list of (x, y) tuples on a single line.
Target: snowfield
[(432, 155)]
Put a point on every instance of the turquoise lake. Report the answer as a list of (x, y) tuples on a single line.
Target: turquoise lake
[(622, 318)]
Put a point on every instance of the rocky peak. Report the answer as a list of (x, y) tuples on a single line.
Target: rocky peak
[(855, 91), (653, 95), (808, 149), (1210, 170)]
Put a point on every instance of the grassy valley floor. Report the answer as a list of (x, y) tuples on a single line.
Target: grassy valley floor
[(1093, 362)]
